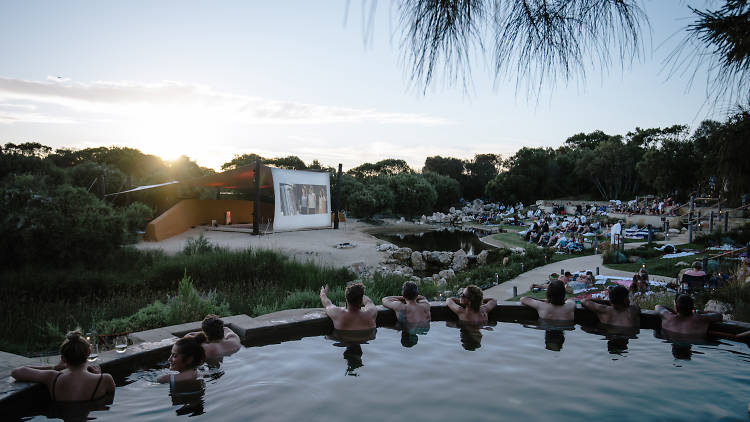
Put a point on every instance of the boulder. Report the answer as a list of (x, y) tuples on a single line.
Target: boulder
[(506, 261), (674, 231), (402, 254), (442, 282), (482, 257), (682, 264), (417, 262), (460, 261), (447, 274), (444, 258), (718, 307), (633, 258), (386, 247), (358, 267)]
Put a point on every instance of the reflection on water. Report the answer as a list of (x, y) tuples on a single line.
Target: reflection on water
[(438, 240), (190, 396), (554, 339), (352, 341)]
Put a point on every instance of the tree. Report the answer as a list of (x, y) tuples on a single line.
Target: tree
[(389, 166), (447, 166), (413, 194), (479, 171), (448, 190)]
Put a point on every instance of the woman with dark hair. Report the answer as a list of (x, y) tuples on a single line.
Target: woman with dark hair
[(73, 379), (471, 305), (187, 355), (555, 308)]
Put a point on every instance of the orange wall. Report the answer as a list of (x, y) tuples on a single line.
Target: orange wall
[(194, 212)]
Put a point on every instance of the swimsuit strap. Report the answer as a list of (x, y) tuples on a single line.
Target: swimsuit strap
[(171, 381), (55, 383), (93, 394)]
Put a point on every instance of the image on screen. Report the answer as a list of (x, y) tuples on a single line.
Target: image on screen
[(297, 199)]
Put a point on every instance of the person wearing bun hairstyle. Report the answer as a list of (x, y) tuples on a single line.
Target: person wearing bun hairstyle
[(187, 354), (73, 379)]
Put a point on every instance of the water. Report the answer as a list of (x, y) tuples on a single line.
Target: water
[(437, 240), (506, 372)]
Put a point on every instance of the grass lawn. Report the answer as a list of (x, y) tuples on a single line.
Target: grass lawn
[(659, 266)]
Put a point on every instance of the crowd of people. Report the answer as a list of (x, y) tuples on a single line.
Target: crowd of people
[(75, 379)]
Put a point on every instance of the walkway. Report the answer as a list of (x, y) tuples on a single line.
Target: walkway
[(523, 282)]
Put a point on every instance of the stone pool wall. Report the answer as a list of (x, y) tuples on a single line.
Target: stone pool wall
[(152, 346)]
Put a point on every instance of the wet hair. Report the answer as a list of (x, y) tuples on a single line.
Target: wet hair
[(619, 297), (475, 296), (190, 347), (75, 349), (684, 305), (556, 292), (697, 265), (354, 293), (410, 290), (213, 327)]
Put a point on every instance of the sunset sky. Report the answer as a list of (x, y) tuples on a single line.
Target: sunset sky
[(214, 79)]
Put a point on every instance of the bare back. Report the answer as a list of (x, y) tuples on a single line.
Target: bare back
[(348, 320), (693, 325), (80, 386), (613, 315), (548, 311)]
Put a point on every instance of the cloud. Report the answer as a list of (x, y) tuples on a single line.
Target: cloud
[(184, 102)]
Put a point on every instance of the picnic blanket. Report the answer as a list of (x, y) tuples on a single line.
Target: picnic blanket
[(677, 255)]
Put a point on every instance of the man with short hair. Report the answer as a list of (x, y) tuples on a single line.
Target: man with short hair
[(684, 320), (410, 307), (221, 340), (697, 270), (555, 308), (617, 311), (353, 318)]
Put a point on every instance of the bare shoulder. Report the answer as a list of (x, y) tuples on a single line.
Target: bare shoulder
[(163, 379)]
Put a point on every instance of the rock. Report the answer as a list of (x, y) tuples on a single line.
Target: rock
[(674, 231), (520, 251), (459, 260), (718, 307), (447, 274), (386, 247), (506, 261), (482, 257), (444, 258), (417, 262), (682, 264), (442, 282), (402, 254), (452, 210), (358, 267), (633, 258)]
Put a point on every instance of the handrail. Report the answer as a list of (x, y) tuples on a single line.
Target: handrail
[(732, 252)]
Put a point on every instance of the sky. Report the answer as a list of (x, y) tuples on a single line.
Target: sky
[(212, 80)]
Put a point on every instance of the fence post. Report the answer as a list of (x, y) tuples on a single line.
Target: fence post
[(711, 222), (690, 232), (256, 202), (338, 199)]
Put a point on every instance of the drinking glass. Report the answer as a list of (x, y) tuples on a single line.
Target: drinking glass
[(94, 352), (121, 344)]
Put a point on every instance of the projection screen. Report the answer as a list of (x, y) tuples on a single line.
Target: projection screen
[(302, 199)]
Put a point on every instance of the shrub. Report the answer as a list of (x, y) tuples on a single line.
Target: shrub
[(198, 246)]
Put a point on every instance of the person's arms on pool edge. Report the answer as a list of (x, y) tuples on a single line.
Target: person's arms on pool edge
[(395, 303), (453, 306), (489, 304)]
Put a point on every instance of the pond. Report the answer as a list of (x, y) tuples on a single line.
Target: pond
[(437, 240), (504, 371)]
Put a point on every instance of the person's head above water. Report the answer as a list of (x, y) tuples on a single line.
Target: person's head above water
[(409, 290), (213, 327), (187, 353), (683, 304), (354, 294), (619, 297), (556, 292), (474, 296), (74, 349)]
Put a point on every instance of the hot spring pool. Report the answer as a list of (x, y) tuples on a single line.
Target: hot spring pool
[(503, 372)]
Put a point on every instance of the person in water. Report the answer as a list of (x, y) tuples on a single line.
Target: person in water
[(353, 317), (684, 320), (411, 308), (555, 308), (187, 355), (73, 379), (220, 340), (471, 305), (617, 312)]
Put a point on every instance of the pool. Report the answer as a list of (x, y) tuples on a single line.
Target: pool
[(504, 371), (437, 240)]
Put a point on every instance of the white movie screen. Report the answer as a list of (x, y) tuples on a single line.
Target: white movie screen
[(303, 199)]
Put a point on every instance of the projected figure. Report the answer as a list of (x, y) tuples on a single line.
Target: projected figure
[(303, 200), (311, 200)]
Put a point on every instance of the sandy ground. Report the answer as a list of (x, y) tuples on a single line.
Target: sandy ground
[(307, 245)]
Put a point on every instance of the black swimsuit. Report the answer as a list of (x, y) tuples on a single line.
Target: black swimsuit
[(93, 393)]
